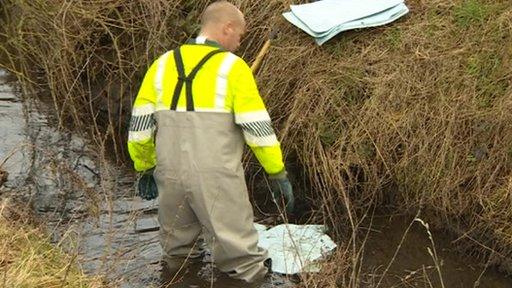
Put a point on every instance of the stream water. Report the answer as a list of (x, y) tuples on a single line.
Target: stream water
[(57, 173), (113, 233)]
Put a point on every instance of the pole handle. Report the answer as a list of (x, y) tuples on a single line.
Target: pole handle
[(259, 59)]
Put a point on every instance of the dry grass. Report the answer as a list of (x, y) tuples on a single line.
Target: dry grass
[(27, 259), (415, 115)]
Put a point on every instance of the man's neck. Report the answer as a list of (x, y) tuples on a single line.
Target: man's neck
[(204, 38), (201, 39)]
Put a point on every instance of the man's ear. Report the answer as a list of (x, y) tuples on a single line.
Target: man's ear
[(228, 27)]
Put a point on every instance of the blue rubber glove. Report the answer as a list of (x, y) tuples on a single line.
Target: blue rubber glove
[(281, 187), (147, 185)]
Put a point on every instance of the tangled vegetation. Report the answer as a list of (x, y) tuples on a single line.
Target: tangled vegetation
[(27, 258), (414, 115)]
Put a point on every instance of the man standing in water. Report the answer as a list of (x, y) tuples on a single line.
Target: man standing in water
[(204, 104)]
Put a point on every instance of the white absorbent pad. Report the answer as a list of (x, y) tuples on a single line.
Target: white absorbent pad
[(295, 248), (325, 19)]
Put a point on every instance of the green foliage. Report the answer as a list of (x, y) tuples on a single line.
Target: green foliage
[(486, 68), (328, 134), (471, 12), (366, 149), (394, 37)]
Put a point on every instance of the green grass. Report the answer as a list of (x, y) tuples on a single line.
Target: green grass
[(394, 37), (471, 12), (485, 68)]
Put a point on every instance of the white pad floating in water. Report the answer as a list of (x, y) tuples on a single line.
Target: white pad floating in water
[(325, 19), (295, 248)]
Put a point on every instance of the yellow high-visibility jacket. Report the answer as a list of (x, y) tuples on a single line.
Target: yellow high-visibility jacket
[(224, 84)]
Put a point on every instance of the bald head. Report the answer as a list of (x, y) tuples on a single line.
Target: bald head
[(221, 12), (224, 23)]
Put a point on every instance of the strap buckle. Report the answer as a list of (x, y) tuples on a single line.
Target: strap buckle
[(184, 78)]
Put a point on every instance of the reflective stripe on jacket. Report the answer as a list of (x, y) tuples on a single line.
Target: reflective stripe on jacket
[(224, 84)]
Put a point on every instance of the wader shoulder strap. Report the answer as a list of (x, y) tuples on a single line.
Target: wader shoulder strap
[(187, 80)]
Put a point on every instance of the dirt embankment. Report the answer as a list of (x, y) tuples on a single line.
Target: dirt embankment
[(414, 115)]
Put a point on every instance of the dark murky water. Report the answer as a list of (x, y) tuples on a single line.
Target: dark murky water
[(112, 232), (414, 265)]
